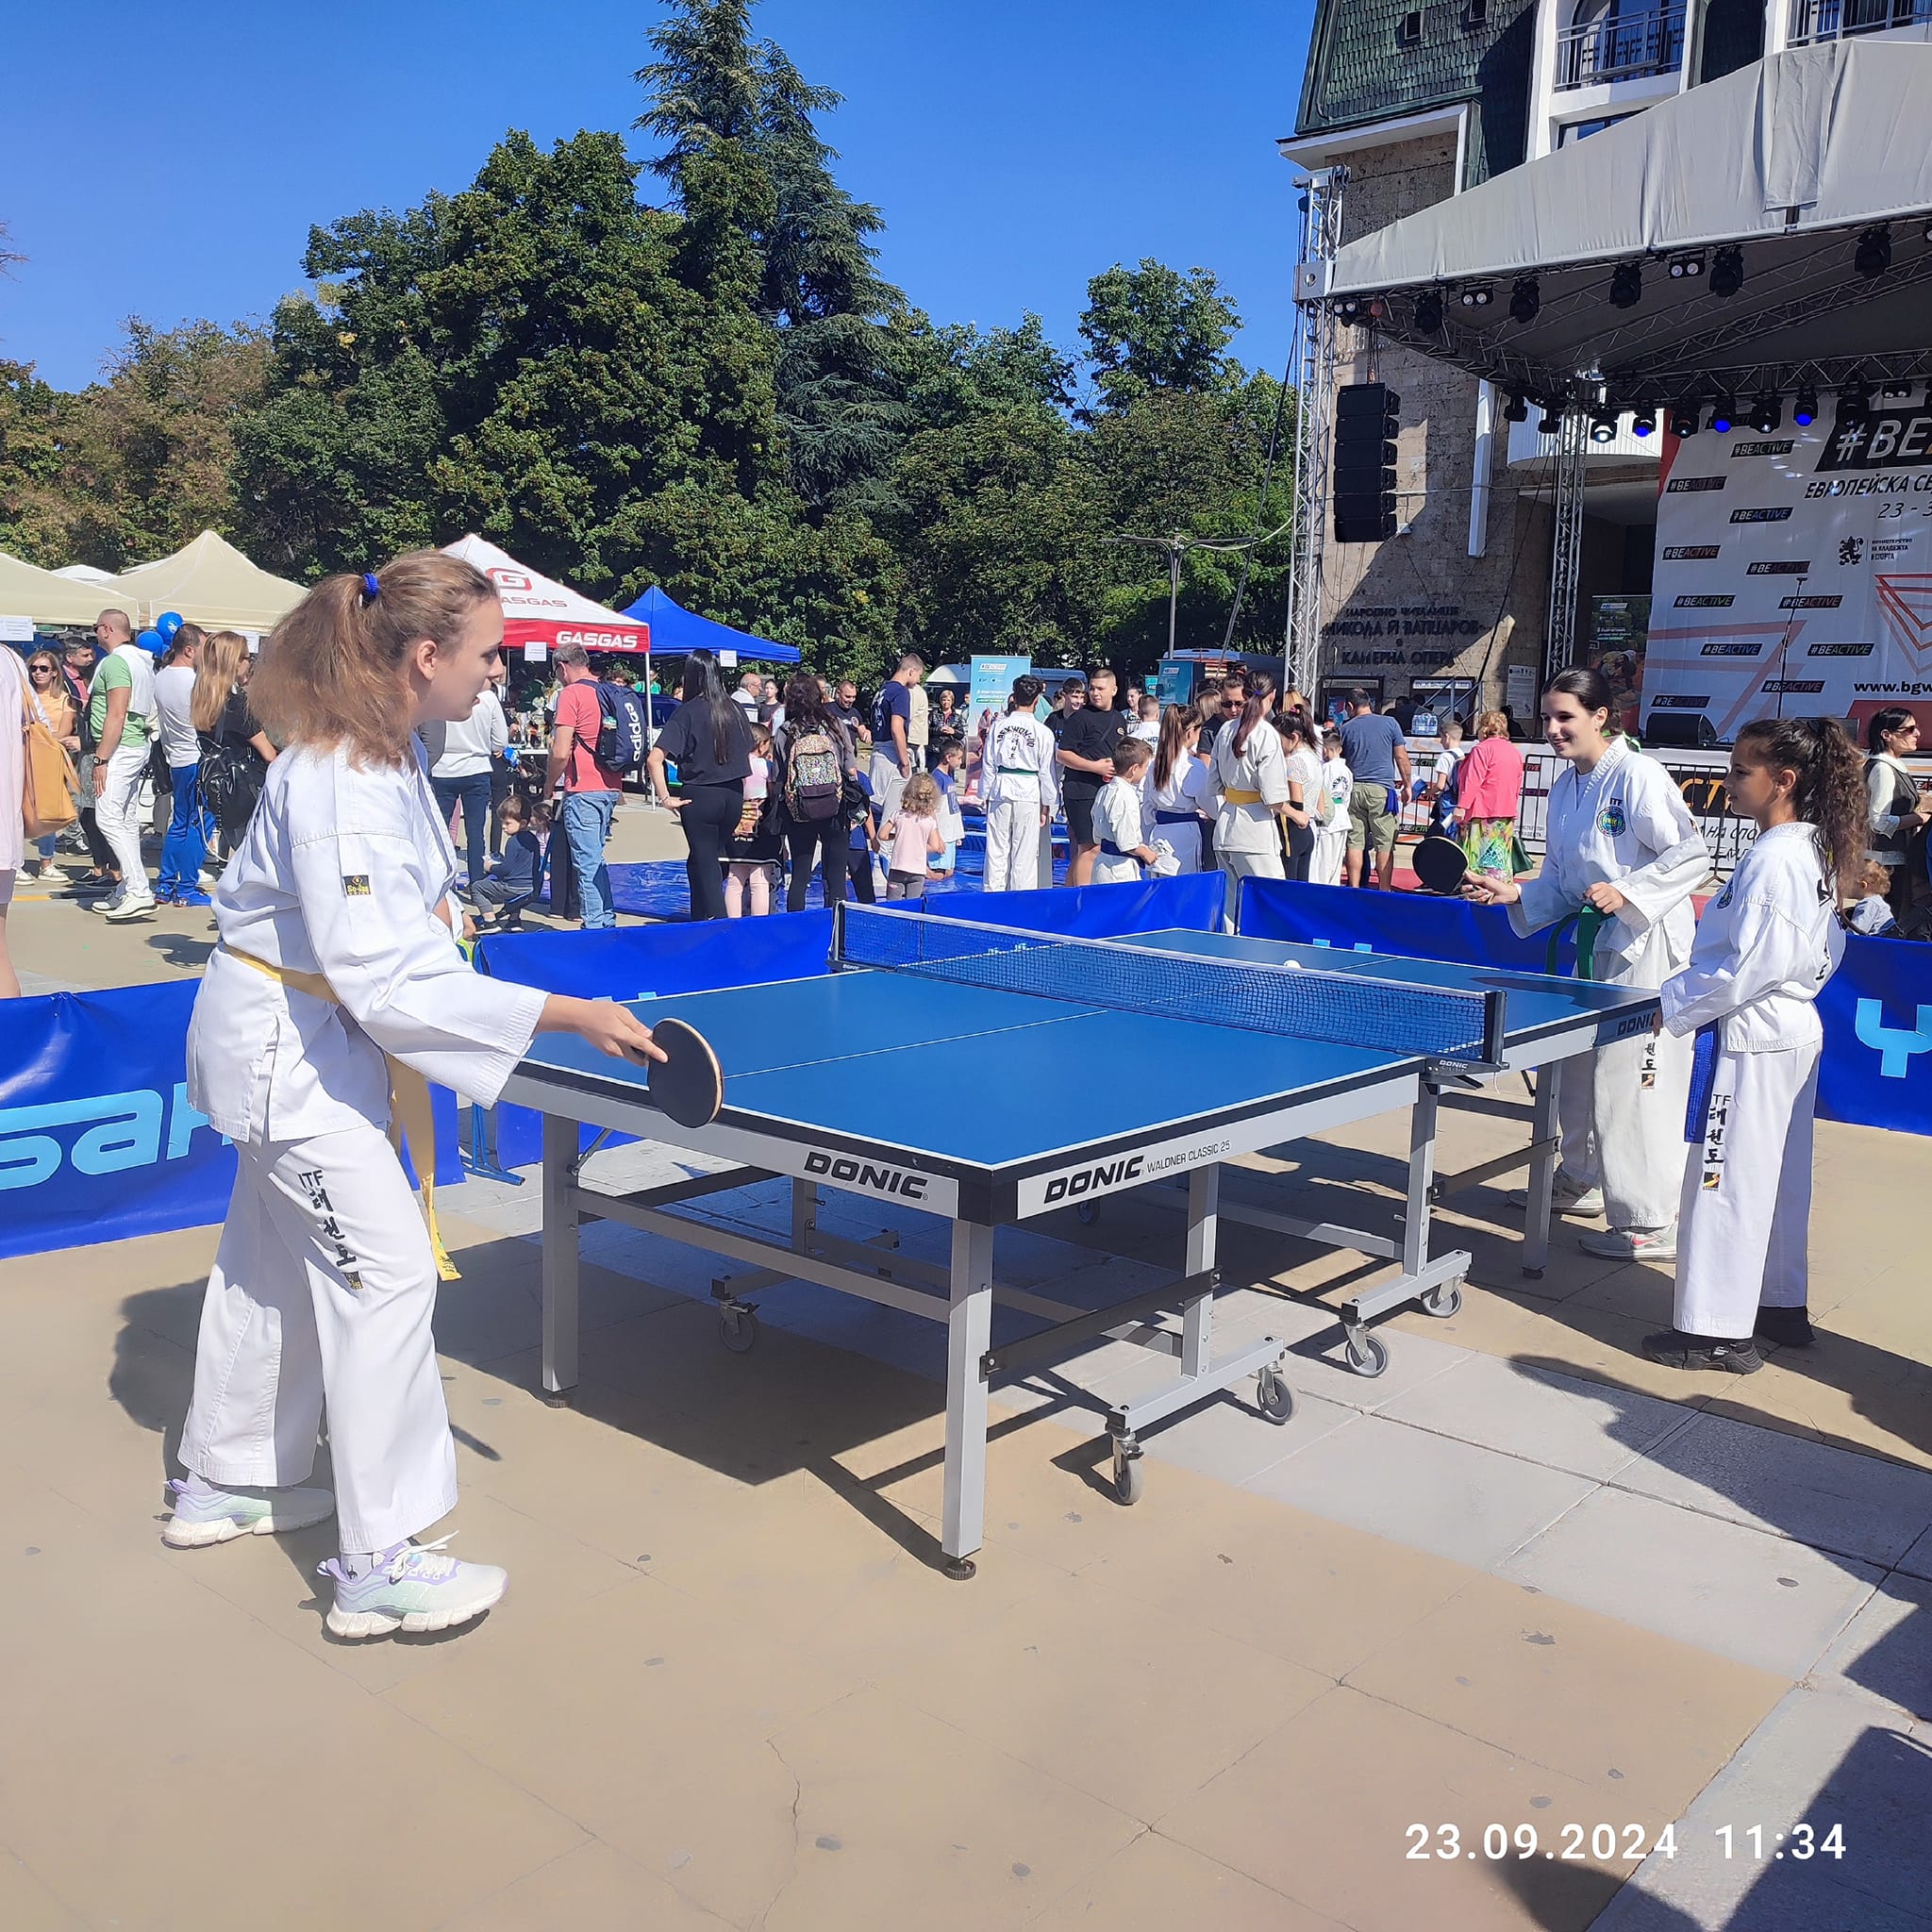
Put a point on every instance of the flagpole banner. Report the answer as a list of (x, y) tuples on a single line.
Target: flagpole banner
[(1794, 570)]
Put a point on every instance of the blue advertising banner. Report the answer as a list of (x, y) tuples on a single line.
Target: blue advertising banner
[(97, 1139), (992, 684), (1877, 1008)]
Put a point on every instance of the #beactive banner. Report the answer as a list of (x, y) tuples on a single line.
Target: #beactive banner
[(1794, 570), (1876, 1008), (97, 1139)]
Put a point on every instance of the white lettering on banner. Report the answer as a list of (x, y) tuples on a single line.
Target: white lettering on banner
[(125, 1131), (1826, 565)]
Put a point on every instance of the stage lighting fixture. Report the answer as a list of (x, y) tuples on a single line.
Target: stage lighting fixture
[(1603, 425), (1686, 265), (1428, 313), (1626, 285), (1644, 421), (1478, 295), (1727, 272), (1517, 409), (1724, 412), (1349, 310), (1873, 255), (1525, 300), (1854, 400), (1685, 417), (1805, 410), (1767, 414), (1550, 423)]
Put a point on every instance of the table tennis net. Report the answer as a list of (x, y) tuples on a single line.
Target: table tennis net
[(1351, 1008)]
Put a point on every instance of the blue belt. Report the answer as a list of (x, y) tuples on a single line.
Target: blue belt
[(1176, 818), (1113, 851), (1703, 1081)]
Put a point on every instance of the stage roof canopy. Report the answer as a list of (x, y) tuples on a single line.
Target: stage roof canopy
[(1797, 162), (675, 632)]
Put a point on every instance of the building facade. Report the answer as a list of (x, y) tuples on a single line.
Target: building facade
[(1405, 105)]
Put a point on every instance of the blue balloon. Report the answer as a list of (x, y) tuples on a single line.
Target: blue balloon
[(168, 622), (152, 640)]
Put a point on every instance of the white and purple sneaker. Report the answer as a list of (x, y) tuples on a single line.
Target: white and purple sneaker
[(204, 1514), (411, 1587)]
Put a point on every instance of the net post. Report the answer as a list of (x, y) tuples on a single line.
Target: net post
[(1495, 1024), (836, 958)]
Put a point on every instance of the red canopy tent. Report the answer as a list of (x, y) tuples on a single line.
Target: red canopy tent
[(538, 612)]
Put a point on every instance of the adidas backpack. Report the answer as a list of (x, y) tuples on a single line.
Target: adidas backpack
[(622, 741)]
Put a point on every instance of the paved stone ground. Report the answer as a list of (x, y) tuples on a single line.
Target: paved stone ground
[(1523, 1582)]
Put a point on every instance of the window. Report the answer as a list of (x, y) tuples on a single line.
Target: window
[(1581, 130), (1475, 13), (1408, 33)]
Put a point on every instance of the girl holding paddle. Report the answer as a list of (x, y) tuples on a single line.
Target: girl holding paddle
[(1622, 857), (337, 988)]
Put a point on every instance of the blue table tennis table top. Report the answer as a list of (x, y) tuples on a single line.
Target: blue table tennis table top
[(986, 1083)]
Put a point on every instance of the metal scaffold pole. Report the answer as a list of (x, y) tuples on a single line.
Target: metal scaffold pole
[(1559, 650), (1314, 381)]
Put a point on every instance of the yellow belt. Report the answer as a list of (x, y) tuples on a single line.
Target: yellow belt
[(1235, 796), (411, 1114)]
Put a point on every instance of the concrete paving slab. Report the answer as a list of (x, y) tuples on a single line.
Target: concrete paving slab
[(1818, 1761), (1559, 1421), (1451, 1498), (1156, 1882), (1916, 1562), (1740, 1592), (590, 1888), (1229, 1439), (1885, 1652), (1829, 1498)]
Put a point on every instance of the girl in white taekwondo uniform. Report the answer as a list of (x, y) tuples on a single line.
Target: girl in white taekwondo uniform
[(1250, 771), (1181, 790), (1766, 946), (1018, 788), (1622, 853), (338, 984)]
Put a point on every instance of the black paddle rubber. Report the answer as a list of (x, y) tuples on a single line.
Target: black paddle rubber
[(1441, 865), (688, 1084)]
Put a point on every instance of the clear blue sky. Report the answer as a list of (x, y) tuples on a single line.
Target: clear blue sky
[(171, 162)]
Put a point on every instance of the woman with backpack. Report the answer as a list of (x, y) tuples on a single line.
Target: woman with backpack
[(814, 765), (709, 740), (236, 752)]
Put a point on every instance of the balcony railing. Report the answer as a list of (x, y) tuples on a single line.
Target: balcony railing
[(1630, 46), (1833, 20)]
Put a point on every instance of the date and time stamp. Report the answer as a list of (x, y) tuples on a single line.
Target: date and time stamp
[(1604, 1844)]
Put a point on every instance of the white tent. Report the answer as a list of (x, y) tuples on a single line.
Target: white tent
[(211, 582), (29, 596), (1793, 162), (536, 611), (85, 573)]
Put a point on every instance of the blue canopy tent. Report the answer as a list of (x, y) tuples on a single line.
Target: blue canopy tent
[(675, 632)]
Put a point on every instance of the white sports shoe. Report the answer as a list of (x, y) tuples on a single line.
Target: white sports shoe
[(1567, 1196), (222, 1515), (132, 907), (411, 1587), (1632, 1243)]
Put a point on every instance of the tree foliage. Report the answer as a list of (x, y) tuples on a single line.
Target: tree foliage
[(722, 395)]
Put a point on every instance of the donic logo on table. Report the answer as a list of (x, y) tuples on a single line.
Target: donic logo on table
[(867, 1174), (1109, 1173), (138, 1128)]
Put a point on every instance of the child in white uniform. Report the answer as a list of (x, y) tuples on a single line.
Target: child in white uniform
[(1181, 790), (1331, 836), (1765, 947), (1117, 817), (1622, 853), (1251, 772), (338, 983), (1307, 801), (1019, 788)]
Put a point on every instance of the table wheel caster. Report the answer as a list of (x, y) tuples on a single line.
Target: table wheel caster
[(1273, 1395), (1442, 1302), (1129, 1477), (738, 1329), (557, 1398), (959, 1569), (1367, 1356)]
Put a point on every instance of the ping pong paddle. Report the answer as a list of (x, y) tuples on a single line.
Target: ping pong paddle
[(687, 1083), (1441, 865)]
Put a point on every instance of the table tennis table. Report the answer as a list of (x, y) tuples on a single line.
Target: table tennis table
[(834, 1080)]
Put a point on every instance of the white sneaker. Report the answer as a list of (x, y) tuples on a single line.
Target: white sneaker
[(222, 1515), (209, 881), (1567, 1196), (132, 907), (1632, 1243), (411, 1587)]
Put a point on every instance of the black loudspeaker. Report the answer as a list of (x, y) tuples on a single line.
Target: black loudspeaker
[(1679, 730), (1361, 478)]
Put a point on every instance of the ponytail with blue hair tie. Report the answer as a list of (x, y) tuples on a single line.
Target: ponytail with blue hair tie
[(371, 588)]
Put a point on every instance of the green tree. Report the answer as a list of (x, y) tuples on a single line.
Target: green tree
[(1153, 328)]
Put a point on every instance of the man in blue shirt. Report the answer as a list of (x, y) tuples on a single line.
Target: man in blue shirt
[(891, 736), (1378, 755)]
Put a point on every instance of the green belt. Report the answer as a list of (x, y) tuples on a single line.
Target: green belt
[(1589, 922), (1016, 771)]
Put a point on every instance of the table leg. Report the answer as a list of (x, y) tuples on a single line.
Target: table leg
[(1546, 1129), (969, 1334), (1421, 1181), (1197, 1318), (560, 1272)]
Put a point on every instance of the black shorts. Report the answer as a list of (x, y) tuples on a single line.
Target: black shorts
[(1079, 806)]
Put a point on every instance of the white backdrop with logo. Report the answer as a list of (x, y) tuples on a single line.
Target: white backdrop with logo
[(1794, 570)]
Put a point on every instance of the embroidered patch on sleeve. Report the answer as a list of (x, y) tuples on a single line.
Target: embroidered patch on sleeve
[(355, 885)]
